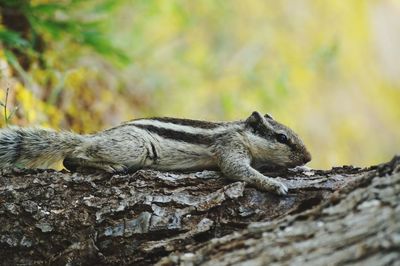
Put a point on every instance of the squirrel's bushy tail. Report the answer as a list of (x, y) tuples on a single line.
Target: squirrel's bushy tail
[(35, 147)]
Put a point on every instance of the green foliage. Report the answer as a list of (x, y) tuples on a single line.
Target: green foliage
[(13, 39), (29, 28)]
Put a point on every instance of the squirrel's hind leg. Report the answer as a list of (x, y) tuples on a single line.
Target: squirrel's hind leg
[(117, 153), (83, 165)]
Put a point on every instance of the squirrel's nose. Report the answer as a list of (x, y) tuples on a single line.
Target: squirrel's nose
[(307, 157)]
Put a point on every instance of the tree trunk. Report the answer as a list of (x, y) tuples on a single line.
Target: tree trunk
[(346, 215)]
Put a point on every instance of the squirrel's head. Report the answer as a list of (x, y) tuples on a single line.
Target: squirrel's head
[(273, 144)]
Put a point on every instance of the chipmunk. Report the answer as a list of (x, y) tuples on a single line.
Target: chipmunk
[(236, 148)]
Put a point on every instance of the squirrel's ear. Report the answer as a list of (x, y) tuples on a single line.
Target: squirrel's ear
[(268, 116), (254, 118)]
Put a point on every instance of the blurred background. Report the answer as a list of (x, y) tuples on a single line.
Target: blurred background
[(328, 69)]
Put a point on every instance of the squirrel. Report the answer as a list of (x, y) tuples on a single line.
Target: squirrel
[(236, 148)]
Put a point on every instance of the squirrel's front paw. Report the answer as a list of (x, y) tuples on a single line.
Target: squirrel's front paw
[(274, 186), (280, 188)]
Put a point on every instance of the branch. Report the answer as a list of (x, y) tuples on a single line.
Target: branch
[(198, 218)]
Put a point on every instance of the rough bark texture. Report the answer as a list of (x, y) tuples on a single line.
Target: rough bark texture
[(343, 216)]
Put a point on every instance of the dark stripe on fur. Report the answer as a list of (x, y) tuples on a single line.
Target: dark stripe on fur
[(153, 149), (261, 130), (187, 122), (177, 135)]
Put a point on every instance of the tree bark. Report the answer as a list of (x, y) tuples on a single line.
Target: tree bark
[(346, 215)]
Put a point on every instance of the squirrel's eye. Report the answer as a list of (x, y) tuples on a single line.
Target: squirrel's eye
[(282, 138)]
